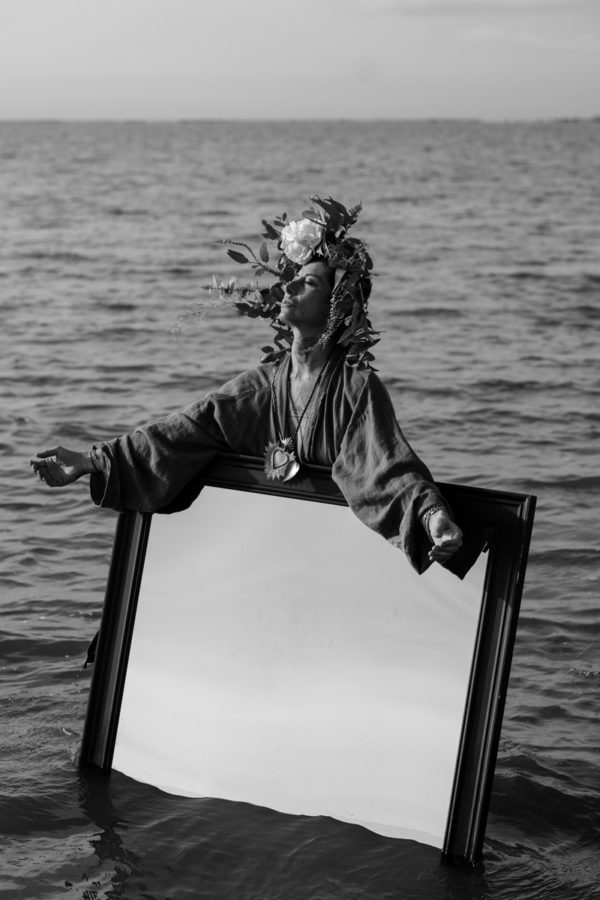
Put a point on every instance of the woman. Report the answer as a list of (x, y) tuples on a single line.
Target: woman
[(314, 400)]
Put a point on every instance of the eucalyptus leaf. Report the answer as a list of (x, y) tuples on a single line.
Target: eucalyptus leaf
[(237, 256), (270, 232)]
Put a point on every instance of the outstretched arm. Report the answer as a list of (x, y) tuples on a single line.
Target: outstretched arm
[(154, 467), (59, 466), (388, 487), (144, 470)]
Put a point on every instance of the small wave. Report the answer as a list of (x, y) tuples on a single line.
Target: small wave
[(120, 211), (221, 213), (56, 256), (26, 813), (117, 307), (7, 582), (592, 278), (564, 557), (403, 198), (544, 802), (508, 384), (526, 275), (180, 271), (424, 312), (586, 311), (584, 674), (132, 367), (581, 483)]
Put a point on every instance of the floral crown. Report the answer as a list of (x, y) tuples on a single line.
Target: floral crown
[(321, 233)]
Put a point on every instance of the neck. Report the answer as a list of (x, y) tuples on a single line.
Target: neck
[(307, 358)]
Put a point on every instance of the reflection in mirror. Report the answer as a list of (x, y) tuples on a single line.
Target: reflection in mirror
[(286, 656)]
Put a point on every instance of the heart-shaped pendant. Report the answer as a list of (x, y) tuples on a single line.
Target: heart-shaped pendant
[(280, 461), (292, 469), (279, 458)]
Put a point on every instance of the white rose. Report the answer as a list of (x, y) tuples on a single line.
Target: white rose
[(299, 239)]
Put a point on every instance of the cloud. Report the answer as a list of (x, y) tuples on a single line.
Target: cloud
[(481, 33), (452, 7)]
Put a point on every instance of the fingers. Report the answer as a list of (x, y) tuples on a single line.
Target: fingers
[(45, 473), (39, 462), (42, 459), (44, 469), (444, 548), (441, 554), (48, 470), (46, 453)]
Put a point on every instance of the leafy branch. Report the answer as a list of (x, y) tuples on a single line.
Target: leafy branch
[(261, 263)]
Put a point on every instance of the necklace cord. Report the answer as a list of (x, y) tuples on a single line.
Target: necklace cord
[(281, 462), (308, 402)]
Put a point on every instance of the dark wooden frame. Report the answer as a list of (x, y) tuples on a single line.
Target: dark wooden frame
[(506, 519)]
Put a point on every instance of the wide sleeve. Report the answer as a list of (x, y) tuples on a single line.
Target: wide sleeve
[(383, 480), (150, 468)]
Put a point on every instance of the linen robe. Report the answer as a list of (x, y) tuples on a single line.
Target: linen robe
[(350, 426)]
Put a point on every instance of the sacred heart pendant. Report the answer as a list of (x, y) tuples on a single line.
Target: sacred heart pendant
[(280, 460)]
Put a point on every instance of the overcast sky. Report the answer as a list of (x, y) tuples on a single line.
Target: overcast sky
[(491, 59)]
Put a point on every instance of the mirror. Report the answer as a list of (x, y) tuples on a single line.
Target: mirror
[(264, 646), (287, 656)]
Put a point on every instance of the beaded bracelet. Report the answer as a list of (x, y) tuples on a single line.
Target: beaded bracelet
[(425, 519)]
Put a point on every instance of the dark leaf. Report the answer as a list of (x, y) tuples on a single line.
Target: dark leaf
[(238, 257), (347, 334), (270, 233), (288, 272), (264, 253)]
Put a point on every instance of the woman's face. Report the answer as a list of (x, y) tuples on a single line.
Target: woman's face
[(305, 303)]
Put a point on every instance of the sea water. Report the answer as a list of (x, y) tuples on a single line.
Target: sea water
[(485, 238)]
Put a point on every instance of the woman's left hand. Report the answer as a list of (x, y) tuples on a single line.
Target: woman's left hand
[(446, 537)]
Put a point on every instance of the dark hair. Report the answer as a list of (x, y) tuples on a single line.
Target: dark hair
[(364, 284)]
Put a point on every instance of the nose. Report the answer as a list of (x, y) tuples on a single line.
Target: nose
[(292, 287)]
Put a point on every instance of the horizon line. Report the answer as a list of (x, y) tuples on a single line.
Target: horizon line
[(287, 119)]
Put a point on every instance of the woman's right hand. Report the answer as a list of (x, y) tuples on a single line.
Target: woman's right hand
[(59, 466)]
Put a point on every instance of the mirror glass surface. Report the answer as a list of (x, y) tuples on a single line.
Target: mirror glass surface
[(285, 655)]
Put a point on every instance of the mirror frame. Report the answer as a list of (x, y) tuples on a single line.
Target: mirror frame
[(505, 522)]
